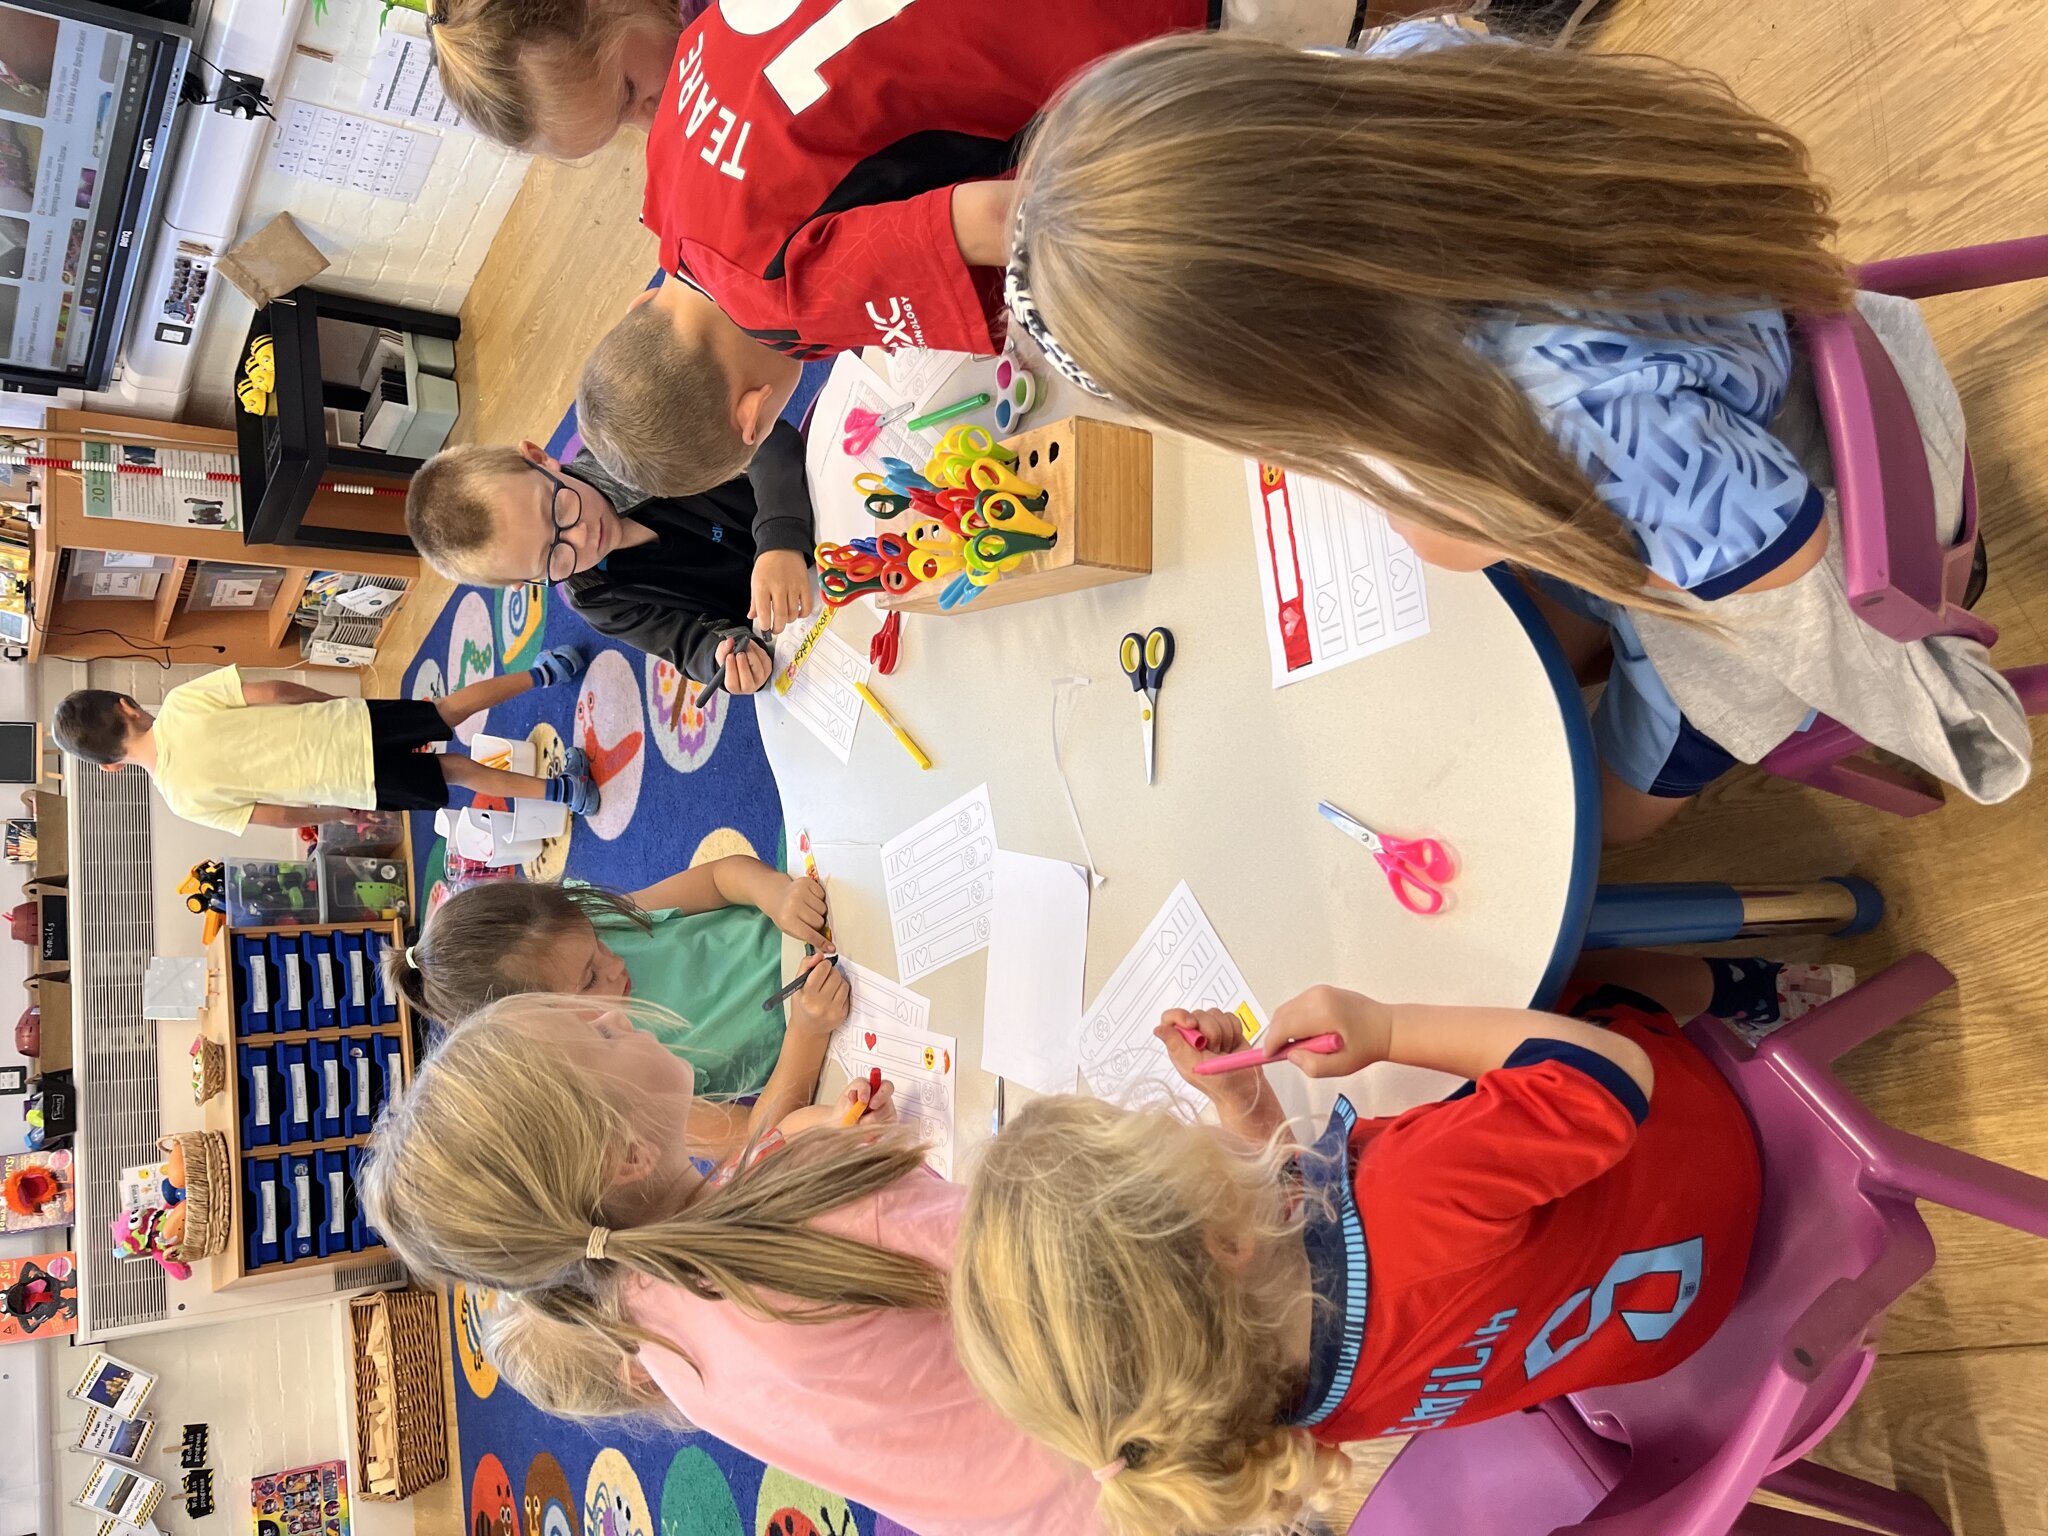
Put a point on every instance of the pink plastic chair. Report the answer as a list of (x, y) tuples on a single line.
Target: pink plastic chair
[(1901, 580), (1838, 1241)]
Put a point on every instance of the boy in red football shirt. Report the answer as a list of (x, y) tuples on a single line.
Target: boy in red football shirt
[(1150, 1299), (825, 175)]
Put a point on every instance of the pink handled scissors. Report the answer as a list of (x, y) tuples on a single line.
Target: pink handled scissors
[(1257, 1056), (1417, 868), (864, 426)]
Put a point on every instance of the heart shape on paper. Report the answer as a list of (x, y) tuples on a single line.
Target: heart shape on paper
[(869, 1037)]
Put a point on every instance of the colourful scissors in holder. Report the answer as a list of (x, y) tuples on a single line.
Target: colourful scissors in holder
[(1417, 868), (1145, 659)]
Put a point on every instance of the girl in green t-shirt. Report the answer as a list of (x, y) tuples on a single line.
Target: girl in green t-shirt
[(703, 943)]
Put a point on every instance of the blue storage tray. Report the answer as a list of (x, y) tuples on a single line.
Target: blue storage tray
[(296, 1092), (323, 981), (254, 984), (259, 1095), (361, 1234), (264, 1214), (353, 980), (337, 1201), (331, 1117), (383, 995), (288, 975), (301, 1197)]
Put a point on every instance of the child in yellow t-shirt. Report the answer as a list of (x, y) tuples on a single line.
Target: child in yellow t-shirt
[(229, 754)]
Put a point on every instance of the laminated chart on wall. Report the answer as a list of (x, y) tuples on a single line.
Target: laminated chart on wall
[(1337, 583), (940, 880), (821, 695), (339, 149), (403, 83), (1178, 962), (195, 489)]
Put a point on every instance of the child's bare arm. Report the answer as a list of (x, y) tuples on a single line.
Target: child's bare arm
[(796, 906), (282, 693), (1469, 1042), (266, 815), (814, 1013)]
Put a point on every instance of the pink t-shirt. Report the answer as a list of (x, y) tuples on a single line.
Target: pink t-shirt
[(874, 1407)]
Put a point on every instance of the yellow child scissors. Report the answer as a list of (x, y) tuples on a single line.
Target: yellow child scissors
[(1145, 659)]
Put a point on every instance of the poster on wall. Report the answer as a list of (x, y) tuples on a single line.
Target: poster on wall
[(306, 1501), (38, 1296), (38, 1191), (175, 487), (118, 1438), (115, 1384), (128, 1495)]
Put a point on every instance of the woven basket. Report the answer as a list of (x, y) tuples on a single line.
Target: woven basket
[(209, 1069), (400, 1396), (209, 1193)]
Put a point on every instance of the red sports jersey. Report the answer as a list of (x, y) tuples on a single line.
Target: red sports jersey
[(1541, 1233), (800, 164)]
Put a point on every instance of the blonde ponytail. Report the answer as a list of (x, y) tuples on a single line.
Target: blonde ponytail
[(525, 1131), (1287, 254), (1122, 1288)]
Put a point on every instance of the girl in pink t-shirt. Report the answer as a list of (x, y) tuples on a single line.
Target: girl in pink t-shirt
[(793, 1304)]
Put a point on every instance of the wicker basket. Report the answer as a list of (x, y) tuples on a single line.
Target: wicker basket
[(209, 1193), (209, 1068), (401, 1398)]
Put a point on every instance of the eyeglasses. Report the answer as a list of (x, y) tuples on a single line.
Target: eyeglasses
[(560, 563)]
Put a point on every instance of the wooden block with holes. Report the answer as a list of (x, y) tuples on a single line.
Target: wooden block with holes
[(1098, 478)]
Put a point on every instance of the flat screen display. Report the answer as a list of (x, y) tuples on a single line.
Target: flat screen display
[(84, 117)]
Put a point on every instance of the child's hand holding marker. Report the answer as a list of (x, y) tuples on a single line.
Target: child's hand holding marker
[(1330, 1032), (1193, 1038), (822, 1003)]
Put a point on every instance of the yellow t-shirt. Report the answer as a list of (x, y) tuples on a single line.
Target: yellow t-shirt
[(219, 757)]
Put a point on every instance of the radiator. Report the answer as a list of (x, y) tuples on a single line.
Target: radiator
[(113, 1046)]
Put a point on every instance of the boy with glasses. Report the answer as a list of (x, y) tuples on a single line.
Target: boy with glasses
[(680, 577)]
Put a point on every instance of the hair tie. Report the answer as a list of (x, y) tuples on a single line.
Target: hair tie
[(1110, 1469), (1018, 300), (411, 957), (594, 1248)]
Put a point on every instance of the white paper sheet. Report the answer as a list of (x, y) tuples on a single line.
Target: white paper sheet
[(339, 149), (915, 373), (1037, 966), (922, 1066), (402, 83), (878, 1003), (821, 696), (940, 880), (1178, 962), (1337, 583), (840, 513)]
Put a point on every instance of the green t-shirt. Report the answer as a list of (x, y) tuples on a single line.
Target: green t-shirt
[(713, 968)]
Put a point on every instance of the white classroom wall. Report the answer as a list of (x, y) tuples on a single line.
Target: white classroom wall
[(424, 253)]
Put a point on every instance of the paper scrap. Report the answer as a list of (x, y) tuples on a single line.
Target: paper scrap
[(1178, 962), (821, 696), (920, 1065), (403, 83), (940, 880), (339, 149), (1037, 966), (1337, 582)]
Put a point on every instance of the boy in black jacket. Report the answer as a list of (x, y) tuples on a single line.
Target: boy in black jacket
[(680, 577)]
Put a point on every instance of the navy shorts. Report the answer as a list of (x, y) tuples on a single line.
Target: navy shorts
[(406, 778)]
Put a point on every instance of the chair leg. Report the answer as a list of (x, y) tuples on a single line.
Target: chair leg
[(1962, 1181), (1762, 1520), (2031, 684), (1864, 1012), (1884, 1509), (1869, 782)]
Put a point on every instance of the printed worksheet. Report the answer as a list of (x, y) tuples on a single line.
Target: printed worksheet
[(340, 149), (821, 696), (1178, 962), (1337, 582), (877, 1003), (940, 880), (921, 1066), (916, 373), (841, 513)]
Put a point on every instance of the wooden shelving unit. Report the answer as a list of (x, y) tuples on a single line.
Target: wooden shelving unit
[(84, 628), (218, 1022)]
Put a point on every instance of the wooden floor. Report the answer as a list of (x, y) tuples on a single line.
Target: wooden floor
[(1932, 121)]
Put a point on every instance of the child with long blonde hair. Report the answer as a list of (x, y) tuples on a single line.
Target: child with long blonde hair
[(1202, 1317), (1534, 304), (793, 1303)]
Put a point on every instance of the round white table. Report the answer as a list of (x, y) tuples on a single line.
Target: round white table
[(1471, 734)]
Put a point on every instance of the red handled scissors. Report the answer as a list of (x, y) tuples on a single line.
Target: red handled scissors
[(1418, 868)]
